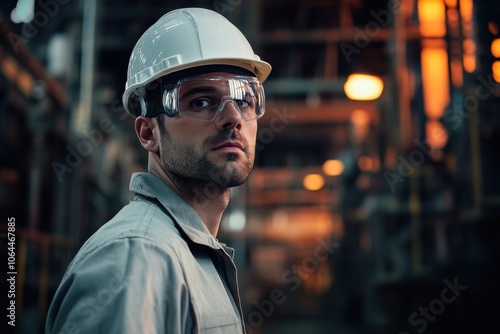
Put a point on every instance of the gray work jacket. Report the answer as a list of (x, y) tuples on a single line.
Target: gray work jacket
[(153, 268)]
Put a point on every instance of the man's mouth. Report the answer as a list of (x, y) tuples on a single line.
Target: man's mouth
[(229, 146)]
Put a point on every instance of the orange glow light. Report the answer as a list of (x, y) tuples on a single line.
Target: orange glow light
[(452, 15), (313, 182), (469, 62), (435, 80), (495, 68), (10, 68), (466, 9), (469, 46), (333, 167), (457, 78), (451, 3), (496, 78), (361, 125), (437, 136), (360, 117), (493, 28), (25, 82), (469, 57), (363, 87), (365, 163), (431, 14), (453, 22), (453, 19), (495, 48)]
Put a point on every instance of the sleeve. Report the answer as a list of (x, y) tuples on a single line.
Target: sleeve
[(128, 286)]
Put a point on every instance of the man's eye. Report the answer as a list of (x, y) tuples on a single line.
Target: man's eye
[(248, 103), (243, 103), (200, 103)]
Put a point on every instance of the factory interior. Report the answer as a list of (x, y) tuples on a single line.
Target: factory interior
[(373, 205)]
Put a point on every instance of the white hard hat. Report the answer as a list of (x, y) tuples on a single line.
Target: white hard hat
[(188, 38)]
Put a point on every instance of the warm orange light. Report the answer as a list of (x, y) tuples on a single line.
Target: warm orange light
[(466, 9), (495, 68), (469, 58), (431, 14), (361, 117), (313, 182), (493, 28), (469, 62), (437, 136), (280, 219), (435, 80), (368, 164), (25, 82), (469, 46), (452, 15), (361, 125), (363, 87), (496, 78), (365, 163), (466, 15), (451, 3), (495, 48), (333, 167), (10, 68), (457, 78), (453, 22)]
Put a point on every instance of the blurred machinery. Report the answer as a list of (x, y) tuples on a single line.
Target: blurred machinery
[(361, 209)]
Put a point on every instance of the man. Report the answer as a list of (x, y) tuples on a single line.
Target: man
[(194, 85)]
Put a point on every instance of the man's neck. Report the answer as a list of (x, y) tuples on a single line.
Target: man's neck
[(206, 199)]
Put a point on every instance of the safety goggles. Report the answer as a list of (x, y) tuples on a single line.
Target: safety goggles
[(205, 98)]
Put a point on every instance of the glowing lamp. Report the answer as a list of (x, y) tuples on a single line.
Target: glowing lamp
[(495, 68), (432, 15), (313, 182), (333, 167), (363, 87), (495, 48)]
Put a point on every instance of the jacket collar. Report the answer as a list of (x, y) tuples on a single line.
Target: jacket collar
[(184, 216)]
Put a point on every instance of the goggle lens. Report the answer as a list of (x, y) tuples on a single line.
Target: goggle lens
[(206, 98)]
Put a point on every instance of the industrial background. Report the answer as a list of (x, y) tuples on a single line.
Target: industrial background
[(374, 204)]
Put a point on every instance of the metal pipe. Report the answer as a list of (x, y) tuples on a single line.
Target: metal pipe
[(83, 115)]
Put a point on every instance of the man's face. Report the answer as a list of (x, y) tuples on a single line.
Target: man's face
[(220, 152)]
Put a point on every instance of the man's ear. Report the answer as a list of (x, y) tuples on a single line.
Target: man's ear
[(145, 128)]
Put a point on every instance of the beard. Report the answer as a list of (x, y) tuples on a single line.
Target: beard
[(190, 166)]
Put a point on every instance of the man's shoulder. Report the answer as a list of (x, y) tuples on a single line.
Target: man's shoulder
[(140, 219), (139, 222), (140, 244)]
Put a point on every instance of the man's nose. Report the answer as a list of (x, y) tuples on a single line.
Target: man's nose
[(229, 115)]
